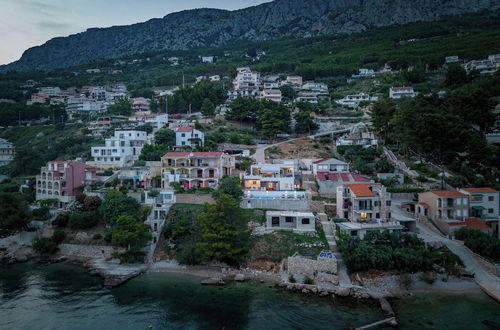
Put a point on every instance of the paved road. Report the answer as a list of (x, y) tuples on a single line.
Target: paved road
[(487, 281)]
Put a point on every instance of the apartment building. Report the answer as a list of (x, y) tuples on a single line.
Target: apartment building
[(363, 202), (484, 202), (60, 180), (189, 137), (355, 99), (294, 80), (246, 79), (401, 92), (120, 150), (443, 205), (270, 177), (316, 88), (196, 169), (7, 152), (272, 95), (330, 173), (301, 222)]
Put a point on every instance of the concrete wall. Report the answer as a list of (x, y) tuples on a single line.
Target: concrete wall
[(194, 199), (273, 204)]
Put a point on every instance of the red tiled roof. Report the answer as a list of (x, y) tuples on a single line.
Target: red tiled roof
[(345, 177), (423, 204), (448, 193), (476, 224), (404, 87), (361, 189), (321, 160), (212, 154), (480, 190), (184, 129), (359, 178)]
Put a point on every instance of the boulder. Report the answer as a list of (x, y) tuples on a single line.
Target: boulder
[(342, 292), (240, 278), (213, 281)]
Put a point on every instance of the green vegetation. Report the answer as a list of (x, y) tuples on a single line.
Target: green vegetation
[(131, 234), (447, 130), (481, 243), (282, 244), (390, 251), (116, 204), (229, 186), (121, 107), (14, 214)]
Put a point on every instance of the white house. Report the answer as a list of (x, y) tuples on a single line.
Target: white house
[(318, 88), (400, 92), (301, 222), (363, 73), (123, 149), (365, 139), (294, 80), (451, 59), (271, 95), (485, 67), (189, 137), (270, 177), (7, 152), (246, 79), (310, 97), (353, 100), (207, 59), (484, 202)]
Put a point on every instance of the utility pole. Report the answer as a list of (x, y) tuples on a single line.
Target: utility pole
[(183, 81)]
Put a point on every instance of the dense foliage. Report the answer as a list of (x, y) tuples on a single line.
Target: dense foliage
[(479, 242), (14, 214), (385, 251), (116, 204)]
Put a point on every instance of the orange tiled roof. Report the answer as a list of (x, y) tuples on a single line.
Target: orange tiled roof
[(361, 189), (476, 224), (184, 129), (480, 190), (448, 193)]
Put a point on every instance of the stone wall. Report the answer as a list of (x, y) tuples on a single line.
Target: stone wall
[(78, 251), (321, 270), (194, 199), (276, 204)]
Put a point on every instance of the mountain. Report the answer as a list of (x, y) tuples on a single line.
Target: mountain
[(213, 27)]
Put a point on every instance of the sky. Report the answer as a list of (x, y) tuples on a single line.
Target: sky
[(28, 23)]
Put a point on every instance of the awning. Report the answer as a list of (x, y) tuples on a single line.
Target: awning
[(478, 208), (477, 195)]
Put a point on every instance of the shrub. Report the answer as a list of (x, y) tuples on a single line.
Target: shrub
[(108, 236), (92, 203), (41, 213), (405, 281), (61, 220), (97, 236), (479, 242), (291, 279), (45, 245), (428, 277), (130, 257), (59, 236), (308, 280), (188, 254), (83, 220)]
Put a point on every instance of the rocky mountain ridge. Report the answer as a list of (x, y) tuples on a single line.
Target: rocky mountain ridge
[(213, 27)]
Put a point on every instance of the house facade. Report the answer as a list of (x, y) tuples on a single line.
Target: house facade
[(246, 79), (365, 139), (443, 205), (294, 80), (484, 202), (363, 202), (330, 173), (60, 180), (196, 169), (270, 177), (189, 137), (288, 220), (120, 150), (272, 95), (353, 100), (7, 152), (401, 92)]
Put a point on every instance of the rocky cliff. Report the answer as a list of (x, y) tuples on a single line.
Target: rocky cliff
[(213, 27)]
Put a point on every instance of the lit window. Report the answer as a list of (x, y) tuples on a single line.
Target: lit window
[(364, 215)]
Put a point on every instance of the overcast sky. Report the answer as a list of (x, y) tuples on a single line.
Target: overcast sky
[(28, 23)]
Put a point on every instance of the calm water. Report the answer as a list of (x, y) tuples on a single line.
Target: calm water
[(65, 297)]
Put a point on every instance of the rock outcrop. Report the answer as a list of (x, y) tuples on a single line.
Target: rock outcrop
[(212, 27)]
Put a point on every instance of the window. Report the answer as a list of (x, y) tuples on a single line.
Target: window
[(459, 201), (376, 203), (183, 135), (306, 221), (288, 219), (389, 215), (354, 233), (275, 221), (388, 203), (490, 210), (377, 215), (491, 198)]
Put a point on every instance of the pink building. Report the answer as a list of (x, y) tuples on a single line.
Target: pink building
[(60, 180)]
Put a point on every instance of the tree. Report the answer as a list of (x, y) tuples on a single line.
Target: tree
[(207, 108), (165, 137), (304, 122), (383, 166), (244, 110), (224, 231), (153, 152), (14, 214), (455, 75), (45, 245), (145, 128), (116, 204), (130, 233), (83, 220), (92, 203), (229, 186), (122, 106), (288, 92)]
